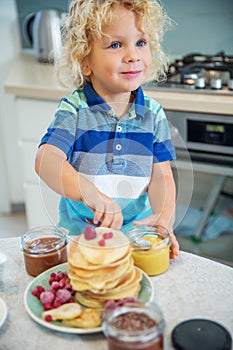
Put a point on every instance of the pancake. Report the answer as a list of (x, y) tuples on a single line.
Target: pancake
[(114, 249), (89, 299), (101, 287), (77, 259), (101, 278), (102, 272)]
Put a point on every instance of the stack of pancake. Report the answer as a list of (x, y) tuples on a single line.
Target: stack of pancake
[(101, 273)]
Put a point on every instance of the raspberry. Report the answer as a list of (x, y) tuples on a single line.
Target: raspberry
[(60, 275), (62, 283), (56, 304), (89, 233), (48, 318), (36, 293), (51, 280), (47, 306), (110, 305), (55, 285), (46, 297), (101, 243), (63, 295), (107, 235), (40, 289)]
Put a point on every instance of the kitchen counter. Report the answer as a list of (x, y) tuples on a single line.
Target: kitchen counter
[(193, 287), (29, 79)]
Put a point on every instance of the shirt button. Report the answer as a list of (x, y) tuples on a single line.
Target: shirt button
[(119, 128), (118, 147)]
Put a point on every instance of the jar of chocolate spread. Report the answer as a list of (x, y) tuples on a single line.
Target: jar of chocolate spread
[(43, 248), (134, 328)]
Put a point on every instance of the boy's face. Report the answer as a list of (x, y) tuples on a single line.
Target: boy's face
[(120, 61)]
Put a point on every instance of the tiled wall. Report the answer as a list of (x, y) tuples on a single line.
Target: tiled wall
[(204, 26)]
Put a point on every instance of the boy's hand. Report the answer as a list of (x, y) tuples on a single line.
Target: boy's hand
[(151, 221), (106, 211)]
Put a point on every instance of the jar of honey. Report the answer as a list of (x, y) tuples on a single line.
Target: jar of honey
[(135, 327), (43, 248), (154, 258)]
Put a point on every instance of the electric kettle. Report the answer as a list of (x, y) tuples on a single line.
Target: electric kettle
[(42, 30)]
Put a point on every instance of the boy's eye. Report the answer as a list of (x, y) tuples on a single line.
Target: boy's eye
[(141, 43), (115, 45)]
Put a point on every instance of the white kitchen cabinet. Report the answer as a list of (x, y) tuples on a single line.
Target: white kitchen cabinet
[(41, 202)]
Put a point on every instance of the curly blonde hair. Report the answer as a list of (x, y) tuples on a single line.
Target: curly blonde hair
[(85, 22)]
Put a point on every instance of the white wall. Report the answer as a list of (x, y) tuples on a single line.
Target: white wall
[(11, 183)]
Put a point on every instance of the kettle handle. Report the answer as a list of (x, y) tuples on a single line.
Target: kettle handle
[(27, 28)]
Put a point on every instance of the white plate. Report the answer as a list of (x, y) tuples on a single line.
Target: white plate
[(3, 312), (34, 307)]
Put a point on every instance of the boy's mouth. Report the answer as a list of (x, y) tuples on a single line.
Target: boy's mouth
[(131, 74)]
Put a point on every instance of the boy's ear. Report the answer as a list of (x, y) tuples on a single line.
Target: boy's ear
[(86, 69)]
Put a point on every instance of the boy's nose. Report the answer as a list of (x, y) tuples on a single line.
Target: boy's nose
[(132, 58), (131, 55)]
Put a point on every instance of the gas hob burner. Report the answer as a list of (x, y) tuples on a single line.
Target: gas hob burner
[(201, 72)]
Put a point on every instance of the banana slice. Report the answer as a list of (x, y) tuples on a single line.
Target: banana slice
[(89, 318), (64, 312)]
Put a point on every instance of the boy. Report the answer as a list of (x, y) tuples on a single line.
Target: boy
[(108, 150)]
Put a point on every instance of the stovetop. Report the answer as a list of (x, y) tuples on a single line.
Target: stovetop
[(201, 74)]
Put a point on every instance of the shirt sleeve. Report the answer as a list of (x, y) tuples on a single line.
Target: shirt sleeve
[(62, 130), (163, 148)]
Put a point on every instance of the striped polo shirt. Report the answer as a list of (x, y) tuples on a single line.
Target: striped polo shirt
[(117, 155)]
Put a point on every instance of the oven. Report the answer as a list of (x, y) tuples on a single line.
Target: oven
[(207, 137), (204, 138)]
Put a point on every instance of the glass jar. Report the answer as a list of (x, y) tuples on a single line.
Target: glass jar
[(134, 327), (156, 259), (43, 248)]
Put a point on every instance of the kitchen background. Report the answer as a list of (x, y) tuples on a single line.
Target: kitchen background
[(200, 26)]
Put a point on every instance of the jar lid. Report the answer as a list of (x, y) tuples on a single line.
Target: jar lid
[(43, 239), (201, 334)]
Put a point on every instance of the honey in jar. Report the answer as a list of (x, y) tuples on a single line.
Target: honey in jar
[(155, 260)]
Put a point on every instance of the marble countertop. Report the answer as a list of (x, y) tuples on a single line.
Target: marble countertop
[(28, 78), (193, 287)]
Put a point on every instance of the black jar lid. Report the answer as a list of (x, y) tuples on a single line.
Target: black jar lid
[(201, 334)]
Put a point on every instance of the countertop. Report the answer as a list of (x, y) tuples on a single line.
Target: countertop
[(28, 78), (193, 287)]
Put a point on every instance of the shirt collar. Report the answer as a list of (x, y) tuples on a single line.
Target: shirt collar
[(95, 102)]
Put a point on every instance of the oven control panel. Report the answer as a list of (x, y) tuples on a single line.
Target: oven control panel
[(209, 132), (201, 132)]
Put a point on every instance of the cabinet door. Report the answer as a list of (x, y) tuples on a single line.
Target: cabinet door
[(41, 202), (41, 205), (28, 151), (34, 116)]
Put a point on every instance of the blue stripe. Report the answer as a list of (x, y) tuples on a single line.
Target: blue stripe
[(164, 151), (104, 141), (60, 138)]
